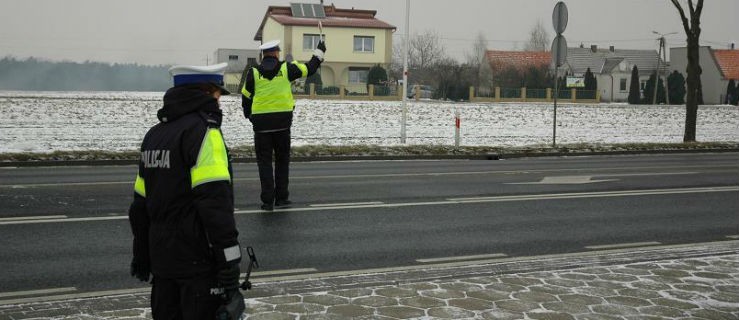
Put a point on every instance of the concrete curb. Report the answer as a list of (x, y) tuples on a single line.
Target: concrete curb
[(487, 156), (134, 303)]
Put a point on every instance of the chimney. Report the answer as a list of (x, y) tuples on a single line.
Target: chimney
[(612, 49), (594, 48)]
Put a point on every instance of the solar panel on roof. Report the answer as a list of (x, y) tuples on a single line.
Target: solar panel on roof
[(307, 10), (318, 11), (297, 10)]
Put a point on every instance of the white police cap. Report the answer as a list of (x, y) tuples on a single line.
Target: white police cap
[(213, 74), (273, 45)]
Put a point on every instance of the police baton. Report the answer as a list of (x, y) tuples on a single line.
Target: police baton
[(233, 303), (253, 264)]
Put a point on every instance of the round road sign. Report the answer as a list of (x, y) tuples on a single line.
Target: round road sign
[(559, 17), (559, 51)]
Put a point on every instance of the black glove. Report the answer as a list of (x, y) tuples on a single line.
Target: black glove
[(233, 307), (228, 276), (140, 269), (321, 46)]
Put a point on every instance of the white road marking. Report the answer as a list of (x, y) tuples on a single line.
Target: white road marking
[(37, 185), (589, 179), (623, 245), (645, 174), (33, 218), (348, 204), (450, 201), (280, 272), (566, 180), (72, 296), (390, 175), (36, 292), (603, 194), (121, 217), (463, 258)]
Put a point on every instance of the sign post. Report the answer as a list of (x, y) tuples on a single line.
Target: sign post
[(404, 115), (457, 124), (559, 55)]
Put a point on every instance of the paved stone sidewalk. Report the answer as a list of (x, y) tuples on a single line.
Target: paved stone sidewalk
[(697, 282)]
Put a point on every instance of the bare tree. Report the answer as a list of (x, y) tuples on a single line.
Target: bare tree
[(396, 65), (695, 88), (538, 38), (477, 61), (424, 52)]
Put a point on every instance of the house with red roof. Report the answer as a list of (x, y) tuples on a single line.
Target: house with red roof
[(719, 66), (520, 60), (355, 39), (610, 66)]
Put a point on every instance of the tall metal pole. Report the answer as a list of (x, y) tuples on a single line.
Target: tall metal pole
[(656, 72), (667, 72), (405, 71), (556, 95)]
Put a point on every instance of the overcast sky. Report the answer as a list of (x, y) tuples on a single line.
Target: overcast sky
[(188, 31)]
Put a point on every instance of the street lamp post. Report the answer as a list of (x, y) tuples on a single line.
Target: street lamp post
[(404, 117)]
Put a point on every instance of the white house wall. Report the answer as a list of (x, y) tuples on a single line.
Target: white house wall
[(340, 55), (340, 45), (274, 31), (714, 86)]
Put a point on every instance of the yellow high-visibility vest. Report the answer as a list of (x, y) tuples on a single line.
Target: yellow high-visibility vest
[(212, 163), (274, 95)]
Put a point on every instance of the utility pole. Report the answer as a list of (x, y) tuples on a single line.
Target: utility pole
[(659, 57), (667, 73), (656, 72)]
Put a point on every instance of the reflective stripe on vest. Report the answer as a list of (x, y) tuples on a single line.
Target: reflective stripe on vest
[(139, 187), (212, 162), (274, 95)]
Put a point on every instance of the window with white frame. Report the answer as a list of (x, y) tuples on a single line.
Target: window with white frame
[(364, 44), (358, 75), (233, 57), (622, 85), (310, 41)]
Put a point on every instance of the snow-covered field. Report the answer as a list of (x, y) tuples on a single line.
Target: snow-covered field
[(62, 121)]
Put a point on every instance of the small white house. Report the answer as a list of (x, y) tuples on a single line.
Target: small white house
[(719, 66), (612, 68)]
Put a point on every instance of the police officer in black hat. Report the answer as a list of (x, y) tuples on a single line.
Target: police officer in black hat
[(182, 215), (268, 103)]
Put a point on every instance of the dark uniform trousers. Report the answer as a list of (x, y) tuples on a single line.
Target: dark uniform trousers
[(274, 183), (194, 298)]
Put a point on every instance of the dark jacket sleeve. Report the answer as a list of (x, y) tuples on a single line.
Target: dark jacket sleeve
[(214, 204), (138, 217), (246, 102), (294, 73)]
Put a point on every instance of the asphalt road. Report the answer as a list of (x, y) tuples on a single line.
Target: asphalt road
[(65, 228)]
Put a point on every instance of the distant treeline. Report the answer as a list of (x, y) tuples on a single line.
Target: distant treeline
[(36, 74)]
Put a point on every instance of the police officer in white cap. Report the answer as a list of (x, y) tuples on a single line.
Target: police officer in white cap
[(268, 103), (182, 214)]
